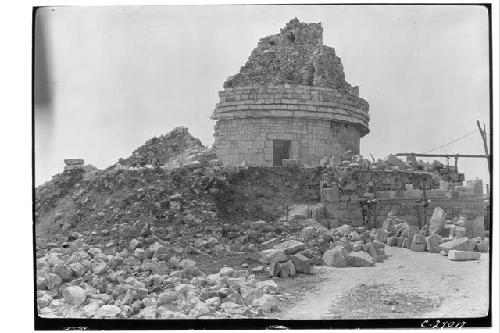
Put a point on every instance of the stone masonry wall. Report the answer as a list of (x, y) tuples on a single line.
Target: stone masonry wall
[(285, 100), (251, 139)]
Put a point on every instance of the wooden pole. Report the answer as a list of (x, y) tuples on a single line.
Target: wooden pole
[(482, 131)]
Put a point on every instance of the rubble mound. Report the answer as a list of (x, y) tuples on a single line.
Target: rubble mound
[(158, 151), (294, 56)]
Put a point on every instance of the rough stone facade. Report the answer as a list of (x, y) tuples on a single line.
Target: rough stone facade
[(289, 101)]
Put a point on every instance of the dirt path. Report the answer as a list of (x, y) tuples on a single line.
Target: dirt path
[(461, 287)]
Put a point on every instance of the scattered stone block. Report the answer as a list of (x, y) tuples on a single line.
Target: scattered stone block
[(392, 241), (308, 233), (418, 247), (335, 257), (433, 242), (290, 247), (436, 224), (359, 259), (457, 255), (302, 263), (282, 269), (483, 245), (418, 239), (273, 255), (461, 244), (381, 235)]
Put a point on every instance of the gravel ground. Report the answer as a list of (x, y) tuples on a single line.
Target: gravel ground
[(438, 288)]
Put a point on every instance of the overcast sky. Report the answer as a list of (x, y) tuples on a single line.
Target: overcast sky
[(109, 78)]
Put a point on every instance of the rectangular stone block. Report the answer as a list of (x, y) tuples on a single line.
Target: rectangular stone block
[(418, 247), (463, 255)]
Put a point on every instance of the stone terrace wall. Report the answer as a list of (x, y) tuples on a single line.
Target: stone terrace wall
[(251, 139)]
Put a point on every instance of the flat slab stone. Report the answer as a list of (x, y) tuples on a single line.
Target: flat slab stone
[(273, 255), (463, 255), (290, 247)]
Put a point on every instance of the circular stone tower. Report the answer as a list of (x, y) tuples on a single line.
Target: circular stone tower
[(289, 101)]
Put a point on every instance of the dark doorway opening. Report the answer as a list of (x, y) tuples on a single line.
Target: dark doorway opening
[(281, 151)]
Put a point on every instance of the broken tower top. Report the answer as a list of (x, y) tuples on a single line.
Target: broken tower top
[(294, 56)]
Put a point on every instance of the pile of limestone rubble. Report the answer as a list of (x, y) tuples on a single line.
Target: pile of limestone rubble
[(144, 282), (459, 238)]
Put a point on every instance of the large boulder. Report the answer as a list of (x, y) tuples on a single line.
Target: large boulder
[(273, 255), (359, 259), (290, 247), (335, 257), (436, 224)]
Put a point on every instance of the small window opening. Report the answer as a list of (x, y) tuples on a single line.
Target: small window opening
[(291, 37)]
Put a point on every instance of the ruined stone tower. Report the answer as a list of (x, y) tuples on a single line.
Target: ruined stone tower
[(289, 101)]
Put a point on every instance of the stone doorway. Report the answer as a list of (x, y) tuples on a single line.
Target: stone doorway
[(281, 151)]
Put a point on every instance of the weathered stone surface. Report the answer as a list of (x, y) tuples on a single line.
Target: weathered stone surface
[(74, 295), (370, 249), (108, 311), (226, 271), (483, 245), (433, 241), (381, 235), (392, 241), (267, 303), (268, 286), (460, 232), (200, 309), (308, 233), (167, 297), (270, 243), (457, 255), (461, 244), (258, 224), (359, 259), (302, 264), (418, 247), (418, 239), (335, 257), (412, 230), (273, 255), (282, 269), (290, 247), (436, 224), (478, 227)]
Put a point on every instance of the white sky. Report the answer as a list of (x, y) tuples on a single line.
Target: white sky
[(121, 75)]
